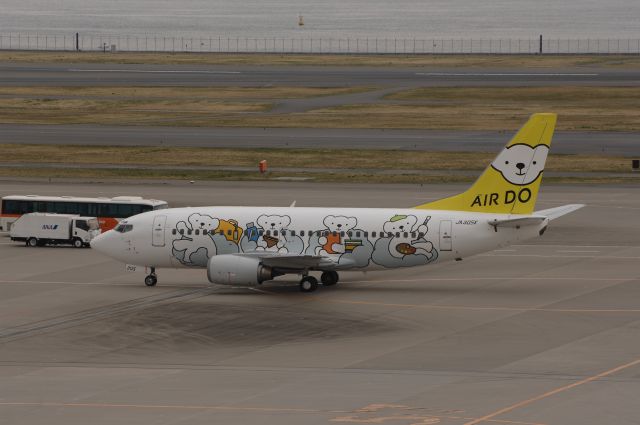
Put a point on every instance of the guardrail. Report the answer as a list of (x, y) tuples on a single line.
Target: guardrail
[(220, 44)]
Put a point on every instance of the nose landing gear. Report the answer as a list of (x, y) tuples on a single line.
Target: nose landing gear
[(152, 278)]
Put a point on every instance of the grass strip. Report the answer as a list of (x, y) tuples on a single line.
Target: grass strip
[(580, 108), (290, 158), (346, 177)]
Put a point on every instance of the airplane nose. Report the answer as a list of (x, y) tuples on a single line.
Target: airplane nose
[(104, 244), (97, 242)]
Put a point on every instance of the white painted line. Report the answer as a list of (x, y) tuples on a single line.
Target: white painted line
[(569, 251), (577, 246), (504, 74), (460, 279), (150, 71), (601, 257), (42, 282)]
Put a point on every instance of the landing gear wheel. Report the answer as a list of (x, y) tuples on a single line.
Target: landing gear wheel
[(308, 284), (329, 278), (151, 280), (78, 243), (32, 242)]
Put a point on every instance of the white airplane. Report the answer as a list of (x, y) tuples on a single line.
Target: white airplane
[(250, 245)]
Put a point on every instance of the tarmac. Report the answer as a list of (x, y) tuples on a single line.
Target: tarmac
[(546, 332), (590, 143), (50, 74)]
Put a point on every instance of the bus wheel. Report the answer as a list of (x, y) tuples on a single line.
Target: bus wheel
[(32, 242)]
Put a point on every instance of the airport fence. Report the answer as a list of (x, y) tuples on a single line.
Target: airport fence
[(220, 44)]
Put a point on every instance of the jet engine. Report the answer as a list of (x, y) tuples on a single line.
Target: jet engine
[(230, 269)]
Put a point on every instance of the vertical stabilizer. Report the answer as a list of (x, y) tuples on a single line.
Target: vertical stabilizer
[(510, 184)]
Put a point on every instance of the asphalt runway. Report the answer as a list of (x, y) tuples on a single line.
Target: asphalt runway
[(234, 75), (595, 143), (542, 333), (388, 80)]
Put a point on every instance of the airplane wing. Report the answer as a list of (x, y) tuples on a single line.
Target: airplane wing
[(290, 261), (553, 213)]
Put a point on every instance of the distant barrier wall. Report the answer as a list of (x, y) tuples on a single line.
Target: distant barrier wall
[(218, 44)]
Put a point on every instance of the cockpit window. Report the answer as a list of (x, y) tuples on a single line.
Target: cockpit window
[(123, 228)]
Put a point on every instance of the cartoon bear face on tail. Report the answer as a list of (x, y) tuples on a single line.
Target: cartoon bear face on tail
[(521, 164)]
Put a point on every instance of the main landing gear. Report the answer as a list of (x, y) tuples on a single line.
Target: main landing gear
[(152, 278), (329, 278), (310, 283)]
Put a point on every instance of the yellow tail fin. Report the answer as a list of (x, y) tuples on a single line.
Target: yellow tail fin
[(510, 184)]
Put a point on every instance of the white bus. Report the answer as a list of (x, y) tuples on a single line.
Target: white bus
[(108, 210)]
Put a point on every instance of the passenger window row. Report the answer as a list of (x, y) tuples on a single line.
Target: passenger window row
[(325, 233)]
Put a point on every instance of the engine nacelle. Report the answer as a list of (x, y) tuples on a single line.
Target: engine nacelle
[(230, 269)]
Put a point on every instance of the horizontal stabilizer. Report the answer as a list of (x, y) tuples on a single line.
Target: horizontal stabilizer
[(519, 221), (553, 213)]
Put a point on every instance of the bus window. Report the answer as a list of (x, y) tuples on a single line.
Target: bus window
[(10, 207), (26, 207), (82, 208), (123, 210), (66, 208), (92, 210), (109, 210)]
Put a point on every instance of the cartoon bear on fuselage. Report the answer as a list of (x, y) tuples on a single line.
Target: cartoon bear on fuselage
[(273, 223), (191, 242), (332, 241), (400, 228)]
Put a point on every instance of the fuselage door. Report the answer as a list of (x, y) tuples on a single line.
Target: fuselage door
[(446, 238), (157, 238)]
